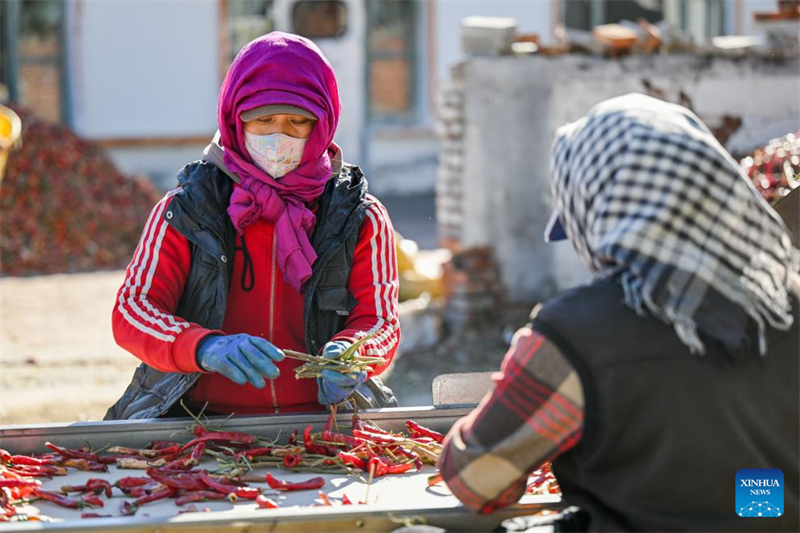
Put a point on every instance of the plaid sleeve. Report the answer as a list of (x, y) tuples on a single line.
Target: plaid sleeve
[(533, 414)]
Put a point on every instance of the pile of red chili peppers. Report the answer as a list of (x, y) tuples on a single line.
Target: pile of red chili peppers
[(172, 469)]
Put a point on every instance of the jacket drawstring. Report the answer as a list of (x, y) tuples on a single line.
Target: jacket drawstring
[(247, 267)]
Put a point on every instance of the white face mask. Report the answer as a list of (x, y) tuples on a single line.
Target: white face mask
[(276, 154)]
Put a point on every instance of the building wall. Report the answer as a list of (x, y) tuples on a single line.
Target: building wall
[(144, 70), (512, 107)]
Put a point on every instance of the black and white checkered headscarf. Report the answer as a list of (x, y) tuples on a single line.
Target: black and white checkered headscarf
[(648, 196)]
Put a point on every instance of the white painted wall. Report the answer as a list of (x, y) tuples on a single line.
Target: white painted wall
[(533, 16), (143, 69), (514, 105)]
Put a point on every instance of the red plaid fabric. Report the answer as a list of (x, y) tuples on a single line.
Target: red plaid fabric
[(534, 414)]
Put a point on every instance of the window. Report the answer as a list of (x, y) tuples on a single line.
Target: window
[(247, 19), (31, 59), (320, 19), (585, 14), (391, 58)]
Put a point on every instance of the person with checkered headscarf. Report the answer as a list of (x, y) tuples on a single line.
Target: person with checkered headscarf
[(677, 366)]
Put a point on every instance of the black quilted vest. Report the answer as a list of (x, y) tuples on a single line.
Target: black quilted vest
[(665, 431), (198, 212)]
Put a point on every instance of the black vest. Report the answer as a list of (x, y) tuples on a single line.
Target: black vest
[(199, 213), (665, 430)]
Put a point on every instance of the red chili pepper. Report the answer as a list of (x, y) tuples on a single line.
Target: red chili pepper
[(329, 435), (293, 438), (39, 471), (291, 460), (177, 481), (352, 460), (130, 482), (278, 484), (247, 493), (377, 437), (198, 496), (225, 436), (346, 500), (23, 459), (253, 452), (138, 492), (196, 455), (85, 465), (92, 499), (159, 495), (112, 459), (73, 454), (313, 447), (222, 485), (199, 430), (16, 482), (356, 422), (60, 499), (163, 444), (265, 503), (95, 515), (325, 499), (421, 431)]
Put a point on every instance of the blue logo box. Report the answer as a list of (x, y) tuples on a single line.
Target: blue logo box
[(759, 492)]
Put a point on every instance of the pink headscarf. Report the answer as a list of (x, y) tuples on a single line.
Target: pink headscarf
[(280, 68)]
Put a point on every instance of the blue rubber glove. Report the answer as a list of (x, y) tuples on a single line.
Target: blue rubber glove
[(335, 387), (241, 358)]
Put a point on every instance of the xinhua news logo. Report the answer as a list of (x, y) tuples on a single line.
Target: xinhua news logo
[(759, 492)]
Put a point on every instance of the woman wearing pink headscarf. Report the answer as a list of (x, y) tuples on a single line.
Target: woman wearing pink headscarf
[(269, 242)]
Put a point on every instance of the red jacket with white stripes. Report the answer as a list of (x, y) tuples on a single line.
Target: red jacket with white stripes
[(144, 322)]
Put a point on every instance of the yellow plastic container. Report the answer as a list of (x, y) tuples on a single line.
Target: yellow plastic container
[(10, 135)]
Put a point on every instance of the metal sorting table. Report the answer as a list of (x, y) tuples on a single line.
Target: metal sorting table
[(393, 500)]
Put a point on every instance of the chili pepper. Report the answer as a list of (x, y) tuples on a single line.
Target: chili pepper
[(278, 484), (247, 493), (383, 466), (265, 503), (73, 454), (356, 422), (85, 465), (60, 499), (23, 459), (220, 485), (124, 450), (99, 485), (16, 482), (376, 437), (158, 495), (352, 460), (196, 456), (435, 479), (177, 481), (198, 496), (199, 430), (179, 463), (111, 459), (153, 486), (291, 460), (313, 447), (253, 452), (162, 444), (417, 430), (127, 508), (346, 500), (130, 482), (140, 464), (325, 499), (39, 471), (414, 457), (293, 438), (95, 515), (226, 436), (92, 499)]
